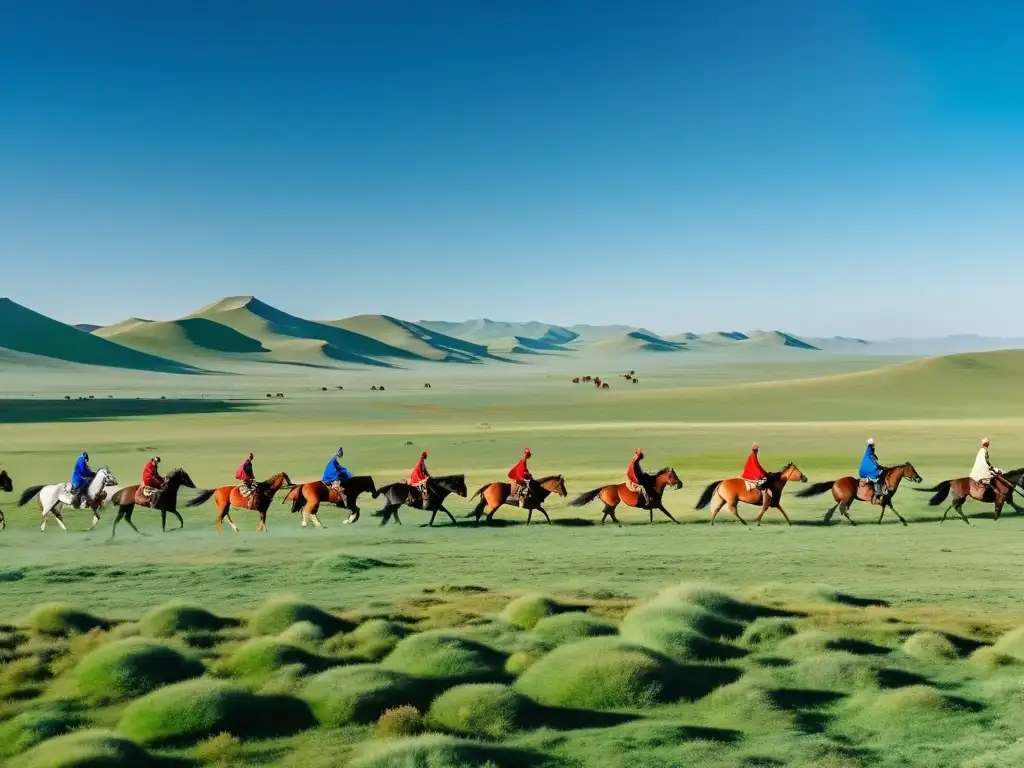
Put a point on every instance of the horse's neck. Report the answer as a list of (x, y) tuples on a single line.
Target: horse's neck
[(896, 473), (97, 482)]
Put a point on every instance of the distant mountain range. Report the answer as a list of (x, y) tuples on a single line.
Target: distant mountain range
[(243, 329)]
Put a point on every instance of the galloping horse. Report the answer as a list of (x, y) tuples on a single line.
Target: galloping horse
[(847, 490), (131, 496), (6, 485), (228, 496), (53, 497), (729, 492), (438, 489), (964, 487), (312, 495), (493, 495), (613, 495)]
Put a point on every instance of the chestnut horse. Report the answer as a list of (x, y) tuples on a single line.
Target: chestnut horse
[(493, 495), (847, 490), (6, 485), (999, 492), (613, 495), (128, 498), (438, 489), (729, 492), (312, 495), (228, 496)]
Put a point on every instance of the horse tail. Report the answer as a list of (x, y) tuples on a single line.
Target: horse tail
[(116, 498), (705, 498), (480, 490), (384, 489), (479, 509), (586, 498), (297, 498), (28, 494), (943, 489), (815, 490), (201, 498)]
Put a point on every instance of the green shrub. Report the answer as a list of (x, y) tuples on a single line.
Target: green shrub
[(275, 616), (767, 632), (930, 646), (479, 710), (179, 616), (29, 728), (198, 709), (222, 749), (600, 673), (263, 656), (567, 627), (671, 630), (435, 751), (92, 748), (61, 620), (303, 633), (361, 693), (129, 668), (405, 720), (372, 640), (524, 612), (519, 662), (446, 656)]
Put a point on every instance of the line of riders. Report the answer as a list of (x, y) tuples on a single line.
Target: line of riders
[(871, 473)]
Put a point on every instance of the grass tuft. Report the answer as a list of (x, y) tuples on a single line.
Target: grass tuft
[(34, 726), (133, 667), (222, 749), (361, 693), (398, 722), (480, 710), (275, 616), (675, 630), (92, 748), (177, 617), (519, 662), (436, 751), (62, 620), (929, 647), (263, 656), (372, 640), (304, 633), (567, 627), (767, 633), (446, 656), (524, 612)]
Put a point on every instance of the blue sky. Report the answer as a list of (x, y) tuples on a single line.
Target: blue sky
[(829, 167)]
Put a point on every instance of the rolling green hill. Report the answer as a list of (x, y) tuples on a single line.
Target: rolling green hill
[(413, 338), (182, 339)]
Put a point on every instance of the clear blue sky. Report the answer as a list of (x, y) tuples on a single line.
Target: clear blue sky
[(819, 166)]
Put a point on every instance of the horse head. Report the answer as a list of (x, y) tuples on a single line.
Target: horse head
[(667, 477), (792, 473), (105, 477), (360, 484), (454, 484), (178, 477), (6, 484), (909, 472), (280, 480), (554, 484)]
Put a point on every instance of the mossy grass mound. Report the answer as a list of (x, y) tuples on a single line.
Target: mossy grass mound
[(132, 667), (750, 702), (1011, 644), (372, 640), (446, 656), (275, 616), (602, 673), (34, 726), (262, 656), (436, 751), (91, 748), (304, 633), (62, 620), (988, 658), (567, 627), (524, 612), (807, 643), (835, 671), (929, 647), (480, 710), (711, 599), (198, 709), (361, 693), (179, 616), (914, 704), (767, 633), (520, 661), (671, 630)]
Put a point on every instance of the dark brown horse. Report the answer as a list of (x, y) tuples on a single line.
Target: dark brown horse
[(438, 489), (228, 496), (847, 490), (132, 496), (729, 492), (309, 496), (493, 495), (999, 492), (6, 485), (613, 495)]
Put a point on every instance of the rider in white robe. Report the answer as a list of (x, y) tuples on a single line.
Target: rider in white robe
[(983, 471)]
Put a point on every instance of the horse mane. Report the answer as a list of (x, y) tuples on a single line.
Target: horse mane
[(449, 478), (549, 477), (176, 472), (663, 470)]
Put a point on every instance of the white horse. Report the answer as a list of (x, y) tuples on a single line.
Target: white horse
[(53, 497)]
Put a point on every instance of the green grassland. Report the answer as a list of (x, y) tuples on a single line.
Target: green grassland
[(508, 645)]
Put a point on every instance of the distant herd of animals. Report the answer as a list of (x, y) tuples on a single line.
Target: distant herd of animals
[(600, 384), (307, 497)]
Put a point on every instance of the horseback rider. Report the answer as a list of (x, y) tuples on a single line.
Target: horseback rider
[(983, 473), (80, 479), (152, 482), (245, 474), (335, 474), (756, 475), (872, 472), (637, 480), (420, 478), (521, 478)]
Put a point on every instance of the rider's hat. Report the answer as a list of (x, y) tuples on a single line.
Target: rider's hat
[(871, 441), (423, 455), (753, 447), (85, 455), (639, 451), (250, 457), (527, 452), (340, 450), (984, 441), (156, 459)]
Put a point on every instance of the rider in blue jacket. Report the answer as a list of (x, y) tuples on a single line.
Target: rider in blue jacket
[(80, 478), (335, 474), (872, 471)]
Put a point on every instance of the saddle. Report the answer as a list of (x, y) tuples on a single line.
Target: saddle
[(66, 496), (751, 485), (146, 495), (251, 495)]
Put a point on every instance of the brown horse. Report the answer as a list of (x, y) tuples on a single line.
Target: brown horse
[(228, 496), (309, 496), (847, 490), (999, 492), (493, 495), (613, 495), (6, 485), (128, 498), (729, 492)]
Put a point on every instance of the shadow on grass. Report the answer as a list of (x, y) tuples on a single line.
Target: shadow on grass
[(43, 411), (858, 647), (695, 681)]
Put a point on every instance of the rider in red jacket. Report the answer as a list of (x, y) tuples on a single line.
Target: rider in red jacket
[(151, 479), (521, 477), (638, 479), (753, 472), (245, 474), (420, 478)]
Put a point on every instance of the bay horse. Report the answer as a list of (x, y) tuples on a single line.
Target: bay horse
[(6, 485), (309, 496), (438, 489), (130, 496), (729, 492), (493, 495), (613, 495), (847, 490), (228, 496), (963, 488)]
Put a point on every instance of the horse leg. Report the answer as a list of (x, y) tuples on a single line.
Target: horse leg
[(450, 515), (778, 507), (959, 509), (898, 515), (120, 514), (529, 515), (946, 513), (433, 514), (716, 507), (831, 511), (397, 518), (316, 520), (545, 513), (60, 519), (667, 513), (880, 516), (845, 509), (95, 519), (181, 520)]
